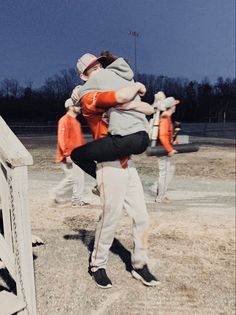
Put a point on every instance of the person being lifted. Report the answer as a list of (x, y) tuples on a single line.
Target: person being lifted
[(128, 126)]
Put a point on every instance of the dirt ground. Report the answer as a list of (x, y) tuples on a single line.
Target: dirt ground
[(191, 244)]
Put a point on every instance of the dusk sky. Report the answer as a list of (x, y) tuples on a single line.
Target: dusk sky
[(177, 38)]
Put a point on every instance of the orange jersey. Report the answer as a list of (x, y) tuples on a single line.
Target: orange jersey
[(94, 105), (69, 136), (166, 132)]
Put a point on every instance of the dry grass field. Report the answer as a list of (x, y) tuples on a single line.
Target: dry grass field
[(191, 244)]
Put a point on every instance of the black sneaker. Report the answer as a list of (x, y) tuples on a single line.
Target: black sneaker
[(101, 279), (145, 276)]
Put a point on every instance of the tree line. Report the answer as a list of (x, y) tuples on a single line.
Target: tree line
[(200, 101)]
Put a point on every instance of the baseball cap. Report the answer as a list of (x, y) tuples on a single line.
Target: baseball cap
[(159, 96), (170, 101), (69, 103), (167, 103), (86, 61)]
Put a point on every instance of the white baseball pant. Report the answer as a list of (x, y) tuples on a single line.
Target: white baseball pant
[(166, 174), (120, 188), (73, 181)]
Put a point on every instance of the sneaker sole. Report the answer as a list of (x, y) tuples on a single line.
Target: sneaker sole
[(102, 287), (137, 276)]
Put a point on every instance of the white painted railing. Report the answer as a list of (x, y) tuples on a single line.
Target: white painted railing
[(15, 239)]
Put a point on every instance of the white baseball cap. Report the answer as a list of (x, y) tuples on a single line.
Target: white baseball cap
[(167, 103), (69, 103), (159, 96), (88, 60)]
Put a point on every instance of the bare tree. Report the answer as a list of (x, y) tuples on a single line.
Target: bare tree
[(10, 88)]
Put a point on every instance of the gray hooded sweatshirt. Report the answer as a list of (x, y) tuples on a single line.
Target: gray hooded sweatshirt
[(116, 76)]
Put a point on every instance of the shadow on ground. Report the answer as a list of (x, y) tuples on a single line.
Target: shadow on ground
[(87, 237)]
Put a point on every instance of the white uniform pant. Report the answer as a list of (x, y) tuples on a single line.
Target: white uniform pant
[(166, 174), (120, 188), (73, 181)]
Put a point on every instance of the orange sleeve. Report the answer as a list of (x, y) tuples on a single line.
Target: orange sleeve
[(93, 114), (92, 101), (164, 135), (88, 103), (63, 137), (106, 99)]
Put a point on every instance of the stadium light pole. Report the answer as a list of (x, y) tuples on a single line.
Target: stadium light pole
[(135, 35)]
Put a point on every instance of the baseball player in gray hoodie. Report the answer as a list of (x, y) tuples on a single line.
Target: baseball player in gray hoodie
[(128, 128)]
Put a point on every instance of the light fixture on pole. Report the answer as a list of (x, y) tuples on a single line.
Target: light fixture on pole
[(135, 35)]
